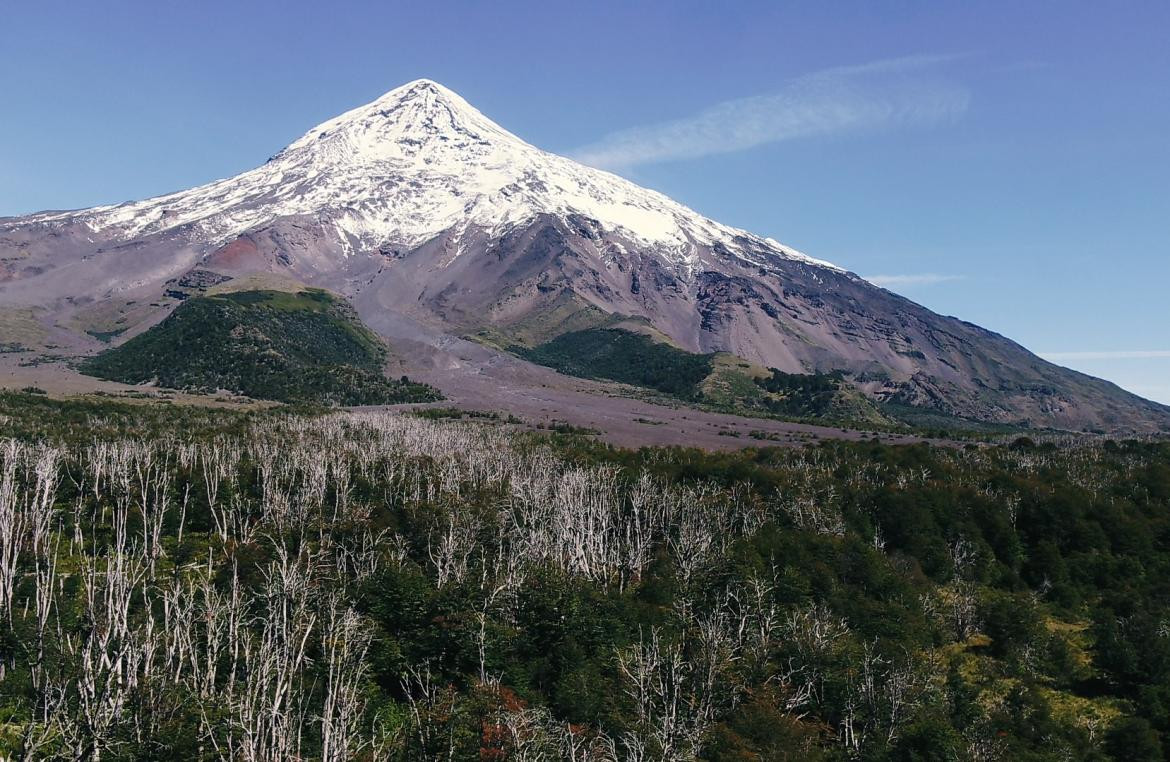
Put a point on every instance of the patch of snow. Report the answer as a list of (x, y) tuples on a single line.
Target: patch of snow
[(412, 164)]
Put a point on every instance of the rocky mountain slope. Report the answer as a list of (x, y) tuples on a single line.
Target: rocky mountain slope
[(436, 222)]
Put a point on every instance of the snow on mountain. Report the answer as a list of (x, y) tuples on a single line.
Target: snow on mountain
[(418, 161)]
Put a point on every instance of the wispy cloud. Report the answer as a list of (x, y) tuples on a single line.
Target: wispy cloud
[(1124, 354), (906, 281), (897, 92)]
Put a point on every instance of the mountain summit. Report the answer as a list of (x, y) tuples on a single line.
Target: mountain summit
[(438, 223), (406, 167)]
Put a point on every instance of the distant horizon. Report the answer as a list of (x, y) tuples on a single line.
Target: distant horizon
[(983, 162)]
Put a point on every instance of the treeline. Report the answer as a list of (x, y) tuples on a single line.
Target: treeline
[(371, 586)]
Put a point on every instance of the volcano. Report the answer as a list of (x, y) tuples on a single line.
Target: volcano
[(456, 240)]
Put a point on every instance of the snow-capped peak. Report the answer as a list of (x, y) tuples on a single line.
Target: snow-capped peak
[(416, 162), (406, 121)]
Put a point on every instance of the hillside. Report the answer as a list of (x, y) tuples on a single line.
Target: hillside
[(629, 358), (305, 346), (716, 380), (438, 223)]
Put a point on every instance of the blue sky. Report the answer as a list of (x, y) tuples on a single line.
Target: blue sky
[(1007, 163)]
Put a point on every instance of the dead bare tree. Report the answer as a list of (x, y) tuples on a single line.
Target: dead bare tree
[(345, 637), (113, 655), (269, 711), (532, 734), (671, 708), (883, 696), (11, 522), (429, 701)]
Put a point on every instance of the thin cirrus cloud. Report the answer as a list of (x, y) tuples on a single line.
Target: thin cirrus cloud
[(907, 281), (1123, 354), (881, 94)]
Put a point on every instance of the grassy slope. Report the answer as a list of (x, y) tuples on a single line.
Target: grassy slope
[(816, 395), (563, 313), (629, 358), (306, 346), (719, 380)]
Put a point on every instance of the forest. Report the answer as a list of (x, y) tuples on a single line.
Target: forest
[(302, 347), (183, 583)]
